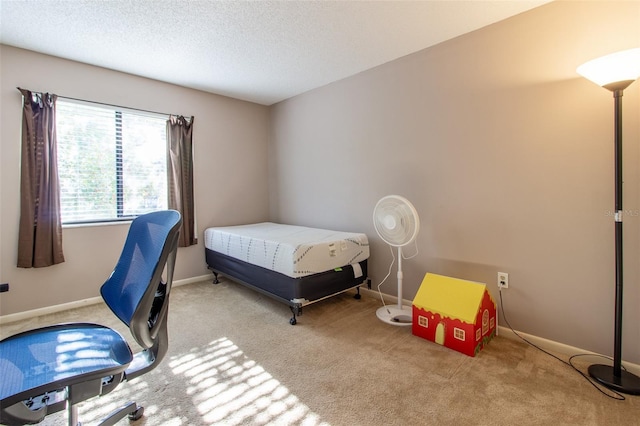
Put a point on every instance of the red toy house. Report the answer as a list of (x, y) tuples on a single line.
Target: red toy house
[(456, 313)]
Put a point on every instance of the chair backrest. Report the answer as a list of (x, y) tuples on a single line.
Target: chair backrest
[(135, 291)]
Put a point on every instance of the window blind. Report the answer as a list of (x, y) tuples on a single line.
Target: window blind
[(112, 162)]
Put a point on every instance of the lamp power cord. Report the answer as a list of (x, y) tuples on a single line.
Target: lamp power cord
[(613, 395)]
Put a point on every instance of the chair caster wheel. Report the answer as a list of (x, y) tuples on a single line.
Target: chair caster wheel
[(136, 415), (293, 321)]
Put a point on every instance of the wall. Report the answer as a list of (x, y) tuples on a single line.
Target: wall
[(507, 155), (230, 143)]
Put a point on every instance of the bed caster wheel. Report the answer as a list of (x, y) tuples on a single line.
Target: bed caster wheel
[(136, 415), (293, 321), (357, 296)]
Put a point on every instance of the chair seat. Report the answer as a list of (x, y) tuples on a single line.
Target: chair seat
[(52, 358)]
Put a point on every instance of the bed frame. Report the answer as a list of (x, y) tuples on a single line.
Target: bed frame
[(295, 292)]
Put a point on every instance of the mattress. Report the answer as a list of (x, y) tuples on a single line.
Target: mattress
[(295, 251)]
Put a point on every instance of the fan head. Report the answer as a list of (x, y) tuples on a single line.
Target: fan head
[(396, 220)]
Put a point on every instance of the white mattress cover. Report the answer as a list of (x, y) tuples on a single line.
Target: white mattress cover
[(295, 251)]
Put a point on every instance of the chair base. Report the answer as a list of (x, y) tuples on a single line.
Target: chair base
[(132, 410)]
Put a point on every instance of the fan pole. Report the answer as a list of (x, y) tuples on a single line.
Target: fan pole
[(400, 277)]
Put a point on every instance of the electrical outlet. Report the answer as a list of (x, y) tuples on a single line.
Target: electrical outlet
[(503, 280)]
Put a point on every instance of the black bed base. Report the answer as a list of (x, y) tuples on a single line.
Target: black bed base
[(295, 292)]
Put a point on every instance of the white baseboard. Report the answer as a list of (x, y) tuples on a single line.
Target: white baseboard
[(561, 348), (5, 319), (192, 280), (547, 345)]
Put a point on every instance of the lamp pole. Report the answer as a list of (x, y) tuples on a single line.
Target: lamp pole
[(617, 339)]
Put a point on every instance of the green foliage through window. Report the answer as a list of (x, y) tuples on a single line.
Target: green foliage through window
[(112, 162)]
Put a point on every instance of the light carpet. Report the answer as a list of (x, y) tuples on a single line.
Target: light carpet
[(234, 359)]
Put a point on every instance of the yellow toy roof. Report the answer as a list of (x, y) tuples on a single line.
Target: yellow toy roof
[(450, 297)]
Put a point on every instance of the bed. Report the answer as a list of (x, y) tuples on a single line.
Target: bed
[(293, 264)]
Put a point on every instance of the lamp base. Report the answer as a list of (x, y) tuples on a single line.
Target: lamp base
[(627, 382)]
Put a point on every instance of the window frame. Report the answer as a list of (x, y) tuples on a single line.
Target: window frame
[(120, 189)]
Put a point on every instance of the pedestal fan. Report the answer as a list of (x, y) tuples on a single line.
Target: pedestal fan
[(397, 223)]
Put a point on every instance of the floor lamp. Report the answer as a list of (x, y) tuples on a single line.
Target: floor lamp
[(616, 72)]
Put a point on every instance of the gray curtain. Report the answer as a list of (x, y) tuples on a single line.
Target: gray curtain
[(40, 233), (180, 174)]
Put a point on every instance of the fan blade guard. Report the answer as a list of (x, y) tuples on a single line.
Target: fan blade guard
[(396, 220)]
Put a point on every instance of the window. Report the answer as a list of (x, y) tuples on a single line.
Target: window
[(423, 321), (485, 321), (458, 333), (112, 162)]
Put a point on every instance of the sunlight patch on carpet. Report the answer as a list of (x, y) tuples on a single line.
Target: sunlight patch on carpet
[(228, 387)]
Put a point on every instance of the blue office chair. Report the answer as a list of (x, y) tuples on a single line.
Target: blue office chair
[(50, 369)]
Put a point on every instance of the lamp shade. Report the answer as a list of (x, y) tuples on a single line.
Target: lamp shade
[(614, 71)]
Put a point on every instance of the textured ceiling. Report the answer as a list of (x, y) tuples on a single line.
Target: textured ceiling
[(260, 51)]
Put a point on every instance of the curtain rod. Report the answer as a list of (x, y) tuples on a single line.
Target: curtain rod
[(111, 105)]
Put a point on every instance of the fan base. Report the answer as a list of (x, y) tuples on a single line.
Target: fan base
[(395, 316)]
